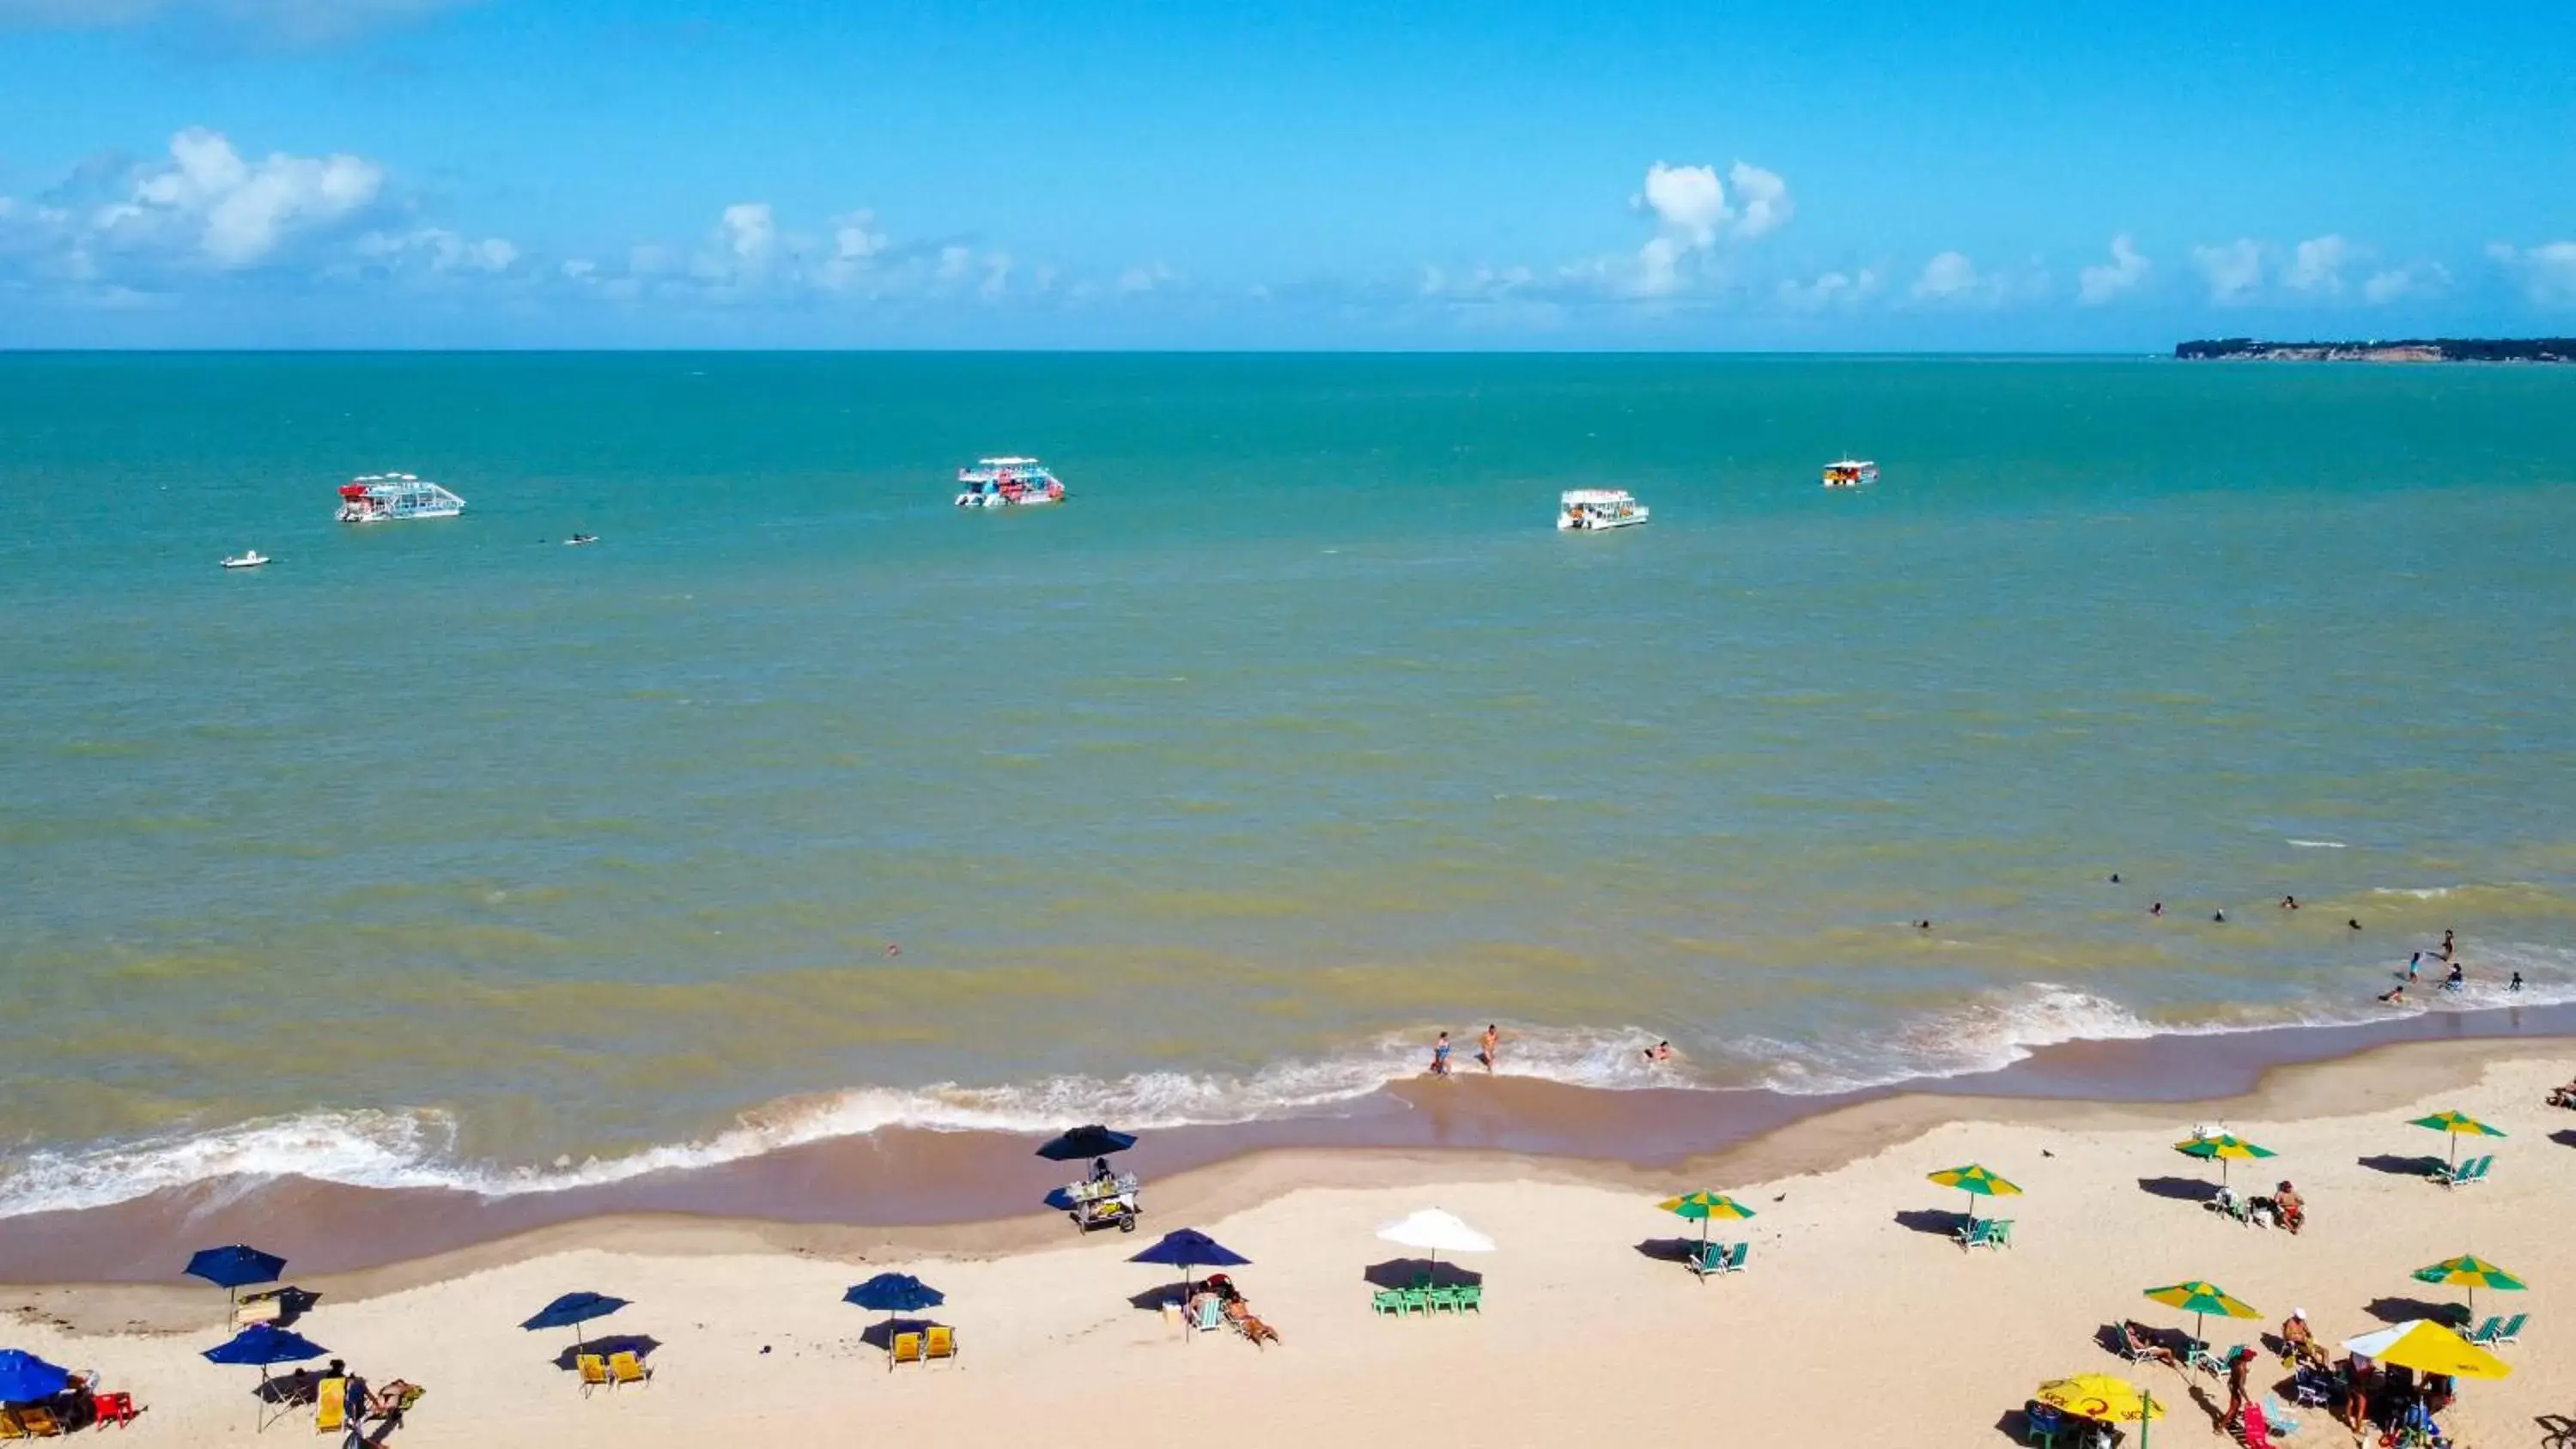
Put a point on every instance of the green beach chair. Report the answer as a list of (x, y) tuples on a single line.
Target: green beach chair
[(1387, 1300), (1472, 1295), (1418, 1300), (2512, 1330), (2485, 1337), (1444, 1298), (1707, 1260)]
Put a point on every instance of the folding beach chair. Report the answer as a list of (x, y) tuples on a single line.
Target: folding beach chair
[(906, 1349), (10, 1428), (626, 1368), (2512, 1330), (941, 1343), (331, 1406), (39, 1423), (594, 1372)]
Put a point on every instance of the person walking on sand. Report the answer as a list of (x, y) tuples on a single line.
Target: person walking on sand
[(1440, 1056), (2240, 1364), (1491, 1047)]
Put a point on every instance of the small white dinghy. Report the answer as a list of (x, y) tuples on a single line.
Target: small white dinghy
[(250, 560)]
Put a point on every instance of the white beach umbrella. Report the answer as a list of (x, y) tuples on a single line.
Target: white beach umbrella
[(1436, 1232)]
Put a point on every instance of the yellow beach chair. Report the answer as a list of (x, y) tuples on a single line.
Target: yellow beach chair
[(626, 1368), (39, 1423), (594, 1372), (10, 1428), (907, 1349), (331, 1407), (942, 1343)]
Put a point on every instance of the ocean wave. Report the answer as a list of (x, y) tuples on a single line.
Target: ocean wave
[(1986, 1032), (2421, 893), (2318, 844)]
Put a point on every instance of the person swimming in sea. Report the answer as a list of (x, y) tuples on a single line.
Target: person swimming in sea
[(2352, 922), (2218, 916), (2450, 945), (2157, 909), (2516, 983), (2458, 978), (1661, 1051), (2289, 903), (2394, 995)]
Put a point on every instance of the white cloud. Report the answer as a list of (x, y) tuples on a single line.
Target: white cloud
[(749, 232), (1150, 277), (2316, 265), (1952, 277), (997, 275), (439, 252), (1688, 200), (2547, 272), (1764, 197), (2233, 271), (1691, 212), (2415, 279), (236, 211), (954, 262), (2098, 284), (1832, 289), (1483, 284)]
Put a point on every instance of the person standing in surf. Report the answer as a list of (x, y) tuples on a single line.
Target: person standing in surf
[(1491, 1047), (1440, 1056)]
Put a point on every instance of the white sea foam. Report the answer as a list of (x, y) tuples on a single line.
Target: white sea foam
[(417, 1149), (2319, 844), (2423, 893)]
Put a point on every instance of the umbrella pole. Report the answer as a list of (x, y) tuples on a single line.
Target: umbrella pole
[(2146, 1415)]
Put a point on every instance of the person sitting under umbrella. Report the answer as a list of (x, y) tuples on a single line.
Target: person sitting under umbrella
[(2143, 1346), (2299, 1345), (1100, 1170)]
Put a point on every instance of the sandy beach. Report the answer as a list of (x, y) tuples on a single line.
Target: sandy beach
[(1857, 1319)]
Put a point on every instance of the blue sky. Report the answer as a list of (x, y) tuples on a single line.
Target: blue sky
[(1515, 173)]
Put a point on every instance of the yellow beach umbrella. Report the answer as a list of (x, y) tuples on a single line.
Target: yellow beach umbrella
[(2200, 1300), (2428, 1348), (1975, 1181), (2222, 1149), (2104, 1399), (1704, 1206), (2458, 1125)]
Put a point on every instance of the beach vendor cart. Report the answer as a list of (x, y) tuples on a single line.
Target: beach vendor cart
[(1103, 1197)]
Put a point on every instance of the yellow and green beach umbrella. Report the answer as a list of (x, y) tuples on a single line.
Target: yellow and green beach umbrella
[(2428, 1348), (2103, 1399), (2223, 1149), (2200, 1300), (1976, 1182), (1704, 1206), (2458, 1125), (2472, 1273)]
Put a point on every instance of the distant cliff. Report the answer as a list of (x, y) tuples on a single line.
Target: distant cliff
[(2438, 349)]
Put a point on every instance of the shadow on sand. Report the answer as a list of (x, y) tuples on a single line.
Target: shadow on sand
[(637, 1344), (2179, 1189), (1402, 1273)]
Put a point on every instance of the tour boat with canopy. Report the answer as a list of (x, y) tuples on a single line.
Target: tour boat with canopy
[(1589, 510), (1850, 473), (1006, 483), (384, 497)]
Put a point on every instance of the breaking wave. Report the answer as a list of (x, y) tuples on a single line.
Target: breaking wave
[(418, 1149)]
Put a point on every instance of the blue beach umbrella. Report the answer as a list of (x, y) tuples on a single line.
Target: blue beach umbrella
[(572, 1311), (25, 1378), (236, 1267), (1187, 1248), (892, 1293), (264, 1344), (1082, 1142)]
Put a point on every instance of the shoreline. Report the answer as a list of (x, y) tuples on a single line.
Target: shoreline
[(1590, 1327), (918, 1189)]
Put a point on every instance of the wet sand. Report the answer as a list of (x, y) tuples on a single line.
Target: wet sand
[(1858, 1320), (883, 1186)]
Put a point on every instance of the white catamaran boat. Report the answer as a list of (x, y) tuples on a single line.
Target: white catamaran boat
[(1850, 473), (384, 497), (1006, 483), (251, 560), (1589, 510)]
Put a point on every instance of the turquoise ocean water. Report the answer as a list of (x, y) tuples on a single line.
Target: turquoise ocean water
[(441, 852)]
